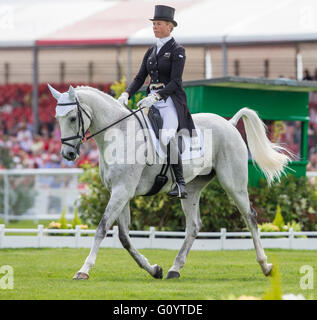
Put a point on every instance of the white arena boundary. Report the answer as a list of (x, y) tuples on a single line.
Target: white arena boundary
[(152, 239)]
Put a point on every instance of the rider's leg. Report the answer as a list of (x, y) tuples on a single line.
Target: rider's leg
[(167, 138), (180, 189)]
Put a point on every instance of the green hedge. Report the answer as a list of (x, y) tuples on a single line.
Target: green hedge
[(296, 196)]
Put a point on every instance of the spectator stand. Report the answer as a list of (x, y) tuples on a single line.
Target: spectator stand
[(28, 149)]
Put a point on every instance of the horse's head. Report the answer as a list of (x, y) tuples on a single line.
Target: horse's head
[(74, 121)]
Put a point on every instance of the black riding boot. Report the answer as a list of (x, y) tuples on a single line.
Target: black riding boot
[(180, 189)]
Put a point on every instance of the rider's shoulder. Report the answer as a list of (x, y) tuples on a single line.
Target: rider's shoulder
[(178, 49), (149, 51)]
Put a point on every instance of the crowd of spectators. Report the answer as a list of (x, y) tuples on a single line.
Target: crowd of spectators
[(42, 150), (308, 76), (28, 149), (312, 133)]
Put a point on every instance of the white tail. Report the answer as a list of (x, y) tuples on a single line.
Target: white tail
[(266, 154)]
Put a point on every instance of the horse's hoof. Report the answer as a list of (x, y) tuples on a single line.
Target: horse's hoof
[(81, 276), (158, 272), (269, 270), (172, 275)]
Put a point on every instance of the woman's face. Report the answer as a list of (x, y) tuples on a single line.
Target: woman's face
[(162, 29)]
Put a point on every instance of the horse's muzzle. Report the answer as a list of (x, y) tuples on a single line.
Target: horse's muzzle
[(70, 153)]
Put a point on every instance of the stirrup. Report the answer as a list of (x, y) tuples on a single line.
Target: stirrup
[(179, 195)]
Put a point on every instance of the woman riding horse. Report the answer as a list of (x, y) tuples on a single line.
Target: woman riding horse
[(164, 62)]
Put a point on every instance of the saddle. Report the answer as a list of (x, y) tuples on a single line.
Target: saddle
[(156, 121), (157, 124)]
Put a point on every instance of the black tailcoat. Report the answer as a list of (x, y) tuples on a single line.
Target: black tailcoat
[(166, 67)]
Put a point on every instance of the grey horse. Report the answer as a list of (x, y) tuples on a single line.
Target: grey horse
[(84, 108)]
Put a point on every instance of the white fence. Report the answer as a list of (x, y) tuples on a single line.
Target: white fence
[(152, 239)]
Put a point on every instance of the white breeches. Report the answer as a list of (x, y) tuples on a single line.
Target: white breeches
[(170, 119)]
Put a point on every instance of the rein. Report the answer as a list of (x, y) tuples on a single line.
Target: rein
[(81, 128)]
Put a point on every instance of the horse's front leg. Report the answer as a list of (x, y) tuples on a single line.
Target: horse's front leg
[(117, 202), (124, 222)]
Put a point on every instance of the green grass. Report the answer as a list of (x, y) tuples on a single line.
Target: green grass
[(26, 223), (30, 224), (47, 274)]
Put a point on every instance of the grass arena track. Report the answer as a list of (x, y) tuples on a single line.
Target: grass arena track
[(47, 274)]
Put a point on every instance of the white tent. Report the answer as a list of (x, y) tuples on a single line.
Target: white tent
[(22, 22), (40, 23), (25, 22), (212, 21)]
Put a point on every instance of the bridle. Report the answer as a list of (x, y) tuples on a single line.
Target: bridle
[(81, 133), (81, 130)]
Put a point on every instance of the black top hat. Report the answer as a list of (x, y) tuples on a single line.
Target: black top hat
[(164, 13)]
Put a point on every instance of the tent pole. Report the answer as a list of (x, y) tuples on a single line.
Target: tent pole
[(35, 90), (208, 63), (298, 64), (224, 57), (129, 67)]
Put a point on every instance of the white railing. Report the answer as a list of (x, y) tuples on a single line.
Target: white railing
[(152, 239), (311, 174)]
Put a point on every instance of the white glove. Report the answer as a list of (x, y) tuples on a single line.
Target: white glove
[(123, 99), (148, 101)]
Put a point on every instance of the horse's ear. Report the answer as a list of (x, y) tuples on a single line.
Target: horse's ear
[(71, 93), (54, 92)]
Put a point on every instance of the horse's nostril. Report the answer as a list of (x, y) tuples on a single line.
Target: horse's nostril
[(71, 155)]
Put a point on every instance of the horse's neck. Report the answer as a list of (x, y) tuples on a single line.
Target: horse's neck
[(105, 111)]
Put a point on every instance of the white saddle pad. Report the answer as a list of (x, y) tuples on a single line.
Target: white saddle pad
[(193, 148)]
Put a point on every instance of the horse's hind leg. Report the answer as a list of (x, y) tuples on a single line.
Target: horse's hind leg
[(123, 223), (239, 193), (249, 215), (193, 223)]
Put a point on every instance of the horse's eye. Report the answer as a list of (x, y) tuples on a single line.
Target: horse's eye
[(72, 119)]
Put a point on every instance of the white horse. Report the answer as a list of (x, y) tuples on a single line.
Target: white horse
[(86, 108)]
